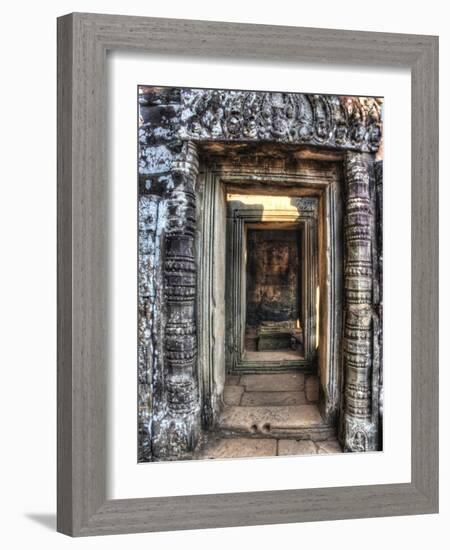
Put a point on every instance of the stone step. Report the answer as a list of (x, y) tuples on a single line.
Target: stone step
[(294, 381), (270, 398), (299, 421), (238, 447), (250, 447)]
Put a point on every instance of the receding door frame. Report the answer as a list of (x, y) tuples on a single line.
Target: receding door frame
[(320, 195), (238, 220)]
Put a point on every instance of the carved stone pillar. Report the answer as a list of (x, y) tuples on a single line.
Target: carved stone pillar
[(158, 147), (359, 429), (176, 431)]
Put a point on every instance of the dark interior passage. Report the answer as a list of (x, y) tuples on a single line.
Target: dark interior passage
[(273, 290)]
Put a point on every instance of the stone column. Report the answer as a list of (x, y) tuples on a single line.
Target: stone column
[(359, 429), (169, 411), (176, 431), (158, 146)]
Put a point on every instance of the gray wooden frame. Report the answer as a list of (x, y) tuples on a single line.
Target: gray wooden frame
[(83, 40)]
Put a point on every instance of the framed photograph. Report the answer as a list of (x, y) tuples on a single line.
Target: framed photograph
[(247, 274)]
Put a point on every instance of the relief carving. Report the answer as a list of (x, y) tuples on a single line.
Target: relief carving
[(337, 121), (177, 430), (359, 430)]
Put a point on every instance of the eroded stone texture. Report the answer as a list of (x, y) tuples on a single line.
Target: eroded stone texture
[(177, 431), (312, 388), (252, 399), (256, 398), (168, 169), (232, 395), (273, 382), (336, 121), (360, 432), (296, 448), (239, 447), (151, 209), (232, 380), (328, 447), (267, 420)]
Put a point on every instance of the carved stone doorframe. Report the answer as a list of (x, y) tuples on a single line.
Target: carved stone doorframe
[(173, 120), (361, 346), (238, 219), (313, 192)]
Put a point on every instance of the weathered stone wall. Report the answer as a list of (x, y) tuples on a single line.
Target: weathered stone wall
[(169, 421), (342, 122)]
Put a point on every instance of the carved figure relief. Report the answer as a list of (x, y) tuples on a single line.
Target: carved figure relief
[(343, 122)]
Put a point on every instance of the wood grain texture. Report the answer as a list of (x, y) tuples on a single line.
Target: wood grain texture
[(83, 40), (425, 271), (64, 198)]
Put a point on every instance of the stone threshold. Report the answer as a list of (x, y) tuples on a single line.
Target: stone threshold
[(291, 421), (273, 405), (243, 447)]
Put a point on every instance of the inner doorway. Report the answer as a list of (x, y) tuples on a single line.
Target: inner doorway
[(273, 313), (273, 330), (287, 217), (272, 294)]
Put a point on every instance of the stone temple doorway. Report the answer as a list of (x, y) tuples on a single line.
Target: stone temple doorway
[(270, 285), (279, 356), (271, 392)]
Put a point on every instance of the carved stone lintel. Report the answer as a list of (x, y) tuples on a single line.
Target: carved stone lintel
[(351, 123)]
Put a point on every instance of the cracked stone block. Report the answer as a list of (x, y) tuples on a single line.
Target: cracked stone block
[(232, 395), (255, 398), (273, 382), (296, 448), (328, 447), (240, 447), (312, 388)]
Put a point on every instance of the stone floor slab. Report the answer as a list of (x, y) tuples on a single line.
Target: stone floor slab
[(232, 394), (255, 398), (296, 448), (232, 380), (239, 447), (273, 382), (330, 446), (273, 355), (312, 388), (265, 420)]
